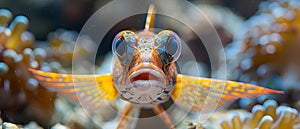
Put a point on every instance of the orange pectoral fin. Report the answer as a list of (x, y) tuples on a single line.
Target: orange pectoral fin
[(91, 90), (195, 92)]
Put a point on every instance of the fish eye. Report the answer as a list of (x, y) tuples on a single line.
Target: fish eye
[(171, 43), (120, 47), (120, 42), (172, 47)]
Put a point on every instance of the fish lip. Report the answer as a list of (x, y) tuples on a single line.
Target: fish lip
[(159, 76)]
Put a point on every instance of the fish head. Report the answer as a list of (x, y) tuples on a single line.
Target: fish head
[(145, 70)]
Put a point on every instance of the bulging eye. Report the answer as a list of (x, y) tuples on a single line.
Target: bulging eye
[(121, 41), (172, 47), (171, 43), (120, 47)]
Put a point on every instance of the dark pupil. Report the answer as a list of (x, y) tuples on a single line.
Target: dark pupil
[(120, 47), (171, 47)]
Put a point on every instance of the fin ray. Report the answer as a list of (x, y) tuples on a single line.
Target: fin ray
[(195, 92), (150, 17), (85, 88)]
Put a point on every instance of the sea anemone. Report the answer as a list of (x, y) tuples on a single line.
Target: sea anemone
[(62, 45), (265, 41), (265, 50), (266, 116), (20, 91)]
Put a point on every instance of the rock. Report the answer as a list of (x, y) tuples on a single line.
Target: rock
[(32, 125), (7, 125), (59, 126)]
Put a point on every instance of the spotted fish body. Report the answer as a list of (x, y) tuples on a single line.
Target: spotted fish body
[(145, 75)]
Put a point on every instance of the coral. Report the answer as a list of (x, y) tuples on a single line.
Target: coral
[(265, 50), (22, 98), (20, 93), (268, 116), (62, 46), (265, 41)]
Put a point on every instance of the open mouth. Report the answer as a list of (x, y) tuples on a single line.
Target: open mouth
[(145, 75), (145, 84)]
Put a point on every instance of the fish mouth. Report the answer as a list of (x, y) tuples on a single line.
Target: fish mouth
[(146, 75), (145, 83), (146, 80)]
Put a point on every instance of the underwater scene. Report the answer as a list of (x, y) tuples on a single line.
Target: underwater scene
[(131, 64)]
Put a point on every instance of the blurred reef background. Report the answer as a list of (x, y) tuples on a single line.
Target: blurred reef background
[(261, 41)]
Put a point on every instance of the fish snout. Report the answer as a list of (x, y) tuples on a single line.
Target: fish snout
[(145, 83)]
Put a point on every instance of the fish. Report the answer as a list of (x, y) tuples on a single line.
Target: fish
[(145, 75)]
